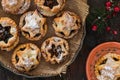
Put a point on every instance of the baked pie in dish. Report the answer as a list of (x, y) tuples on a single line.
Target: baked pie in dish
[(66, 24), (15, 6), (50, 7), (8, 34), (55, 50), (108, 67), (26, 57), (33, 25)]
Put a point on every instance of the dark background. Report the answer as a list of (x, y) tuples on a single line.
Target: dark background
[(76, 71)]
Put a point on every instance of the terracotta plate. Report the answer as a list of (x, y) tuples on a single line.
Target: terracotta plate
[(97, 53), (46, 69)]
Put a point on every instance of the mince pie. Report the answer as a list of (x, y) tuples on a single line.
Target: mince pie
[(15, 6), (26, 57), (8, 34), (50, 7), (108, 67), (33, 25), (55, 49), (66, 24)]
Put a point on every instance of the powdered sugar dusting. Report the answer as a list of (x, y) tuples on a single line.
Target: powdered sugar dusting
[(32, 21), (110, 69), (27, 63), (13, 30), (60, 57), (69, 20), (107, 73), (12, 2), (29, 58), (56, 39)]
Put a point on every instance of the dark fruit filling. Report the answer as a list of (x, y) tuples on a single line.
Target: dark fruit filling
[(5, 33), (22, 49), (62, 33), (104, 61), (118, 78), (72, 31), (25, 32), (51, 3), (37, 35), (116, 59), (17, 58), (55, 51)]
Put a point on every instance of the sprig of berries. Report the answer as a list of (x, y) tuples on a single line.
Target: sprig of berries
[(112, 8)]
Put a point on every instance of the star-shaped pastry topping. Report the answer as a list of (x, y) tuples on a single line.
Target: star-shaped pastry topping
[(33, 24), (66, 23), (110, 68), (28, 57)]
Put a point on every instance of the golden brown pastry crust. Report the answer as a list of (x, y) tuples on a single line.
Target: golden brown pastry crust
[(33, 25), (50, 7), (55, 49), (15, 6), (108, 67), (117, 77), (66, 24), (11, 47), (11, 36), (26, 57)]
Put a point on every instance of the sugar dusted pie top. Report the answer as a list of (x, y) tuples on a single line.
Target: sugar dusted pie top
[(26, 57), (33, 25), (55, 49), (67, 24), (15, 6), (108, 67), (32, 21)]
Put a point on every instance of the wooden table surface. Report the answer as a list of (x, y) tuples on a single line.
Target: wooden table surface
[(76, 71)]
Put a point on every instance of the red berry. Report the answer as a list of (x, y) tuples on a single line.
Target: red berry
[(94, 28), (108, 28), (114, 14), (116, 9), (108, 4), (115, 32), (108, 8), (108, 16)]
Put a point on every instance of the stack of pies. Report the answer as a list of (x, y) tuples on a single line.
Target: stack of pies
[(33, 26)]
